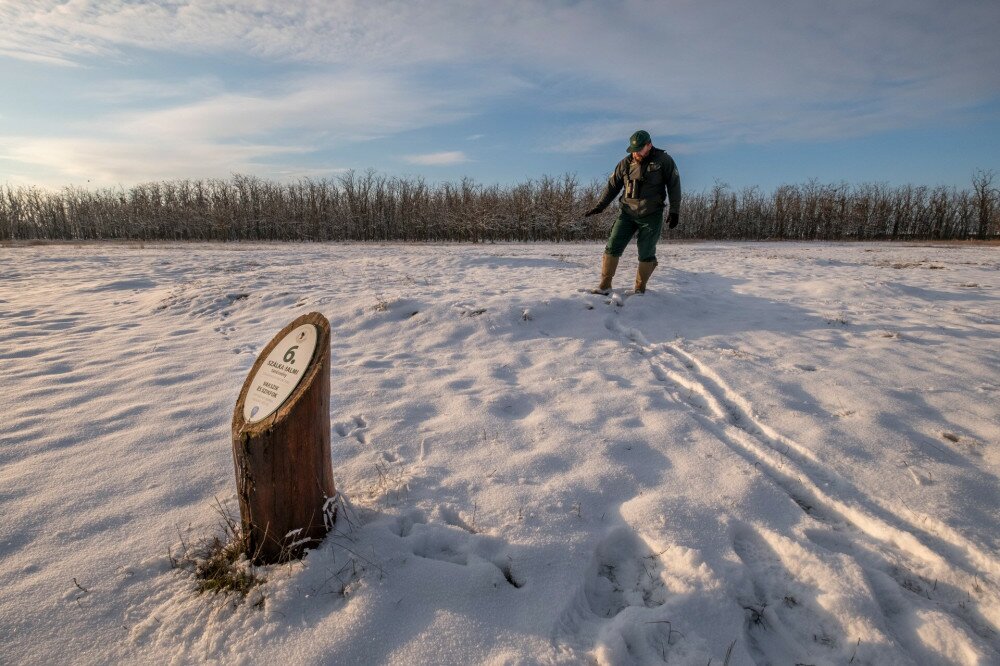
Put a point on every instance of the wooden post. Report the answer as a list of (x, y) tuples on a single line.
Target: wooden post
[(281, 443)]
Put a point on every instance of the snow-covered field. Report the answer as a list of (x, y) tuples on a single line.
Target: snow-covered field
[(782, 453)]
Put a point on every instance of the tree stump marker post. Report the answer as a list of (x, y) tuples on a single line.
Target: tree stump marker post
[(281, 444)]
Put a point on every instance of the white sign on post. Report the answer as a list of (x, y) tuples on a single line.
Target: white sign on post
[(280, 373)]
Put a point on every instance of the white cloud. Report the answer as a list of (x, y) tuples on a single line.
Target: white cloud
[(146, 91), (223, 133), (331, 31), (689, 51), (113, 162), (33, 55), (341, 107), (708, 73), (437, 159)]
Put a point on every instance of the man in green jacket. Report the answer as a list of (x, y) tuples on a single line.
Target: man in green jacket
[(649, 177)]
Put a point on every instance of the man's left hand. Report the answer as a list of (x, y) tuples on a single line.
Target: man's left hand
[(675, 219)]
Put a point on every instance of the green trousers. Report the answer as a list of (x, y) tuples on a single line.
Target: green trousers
[(647, 228)]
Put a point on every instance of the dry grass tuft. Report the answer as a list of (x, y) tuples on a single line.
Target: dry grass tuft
[(220, 565)]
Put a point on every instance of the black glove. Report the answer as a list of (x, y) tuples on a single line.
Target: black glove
[(675, 219), (593, 211)]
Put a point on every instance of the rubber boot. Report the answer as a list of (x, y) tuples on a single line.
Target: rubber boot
[(642, 275), (609, 265)]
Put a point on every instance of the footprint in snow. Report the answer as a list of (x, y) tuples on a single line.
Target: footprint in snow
[(453, 517), (929, 619), (785, 623), (456, 543), (406, 521), (625, 572), (357, 428), (617, 613)]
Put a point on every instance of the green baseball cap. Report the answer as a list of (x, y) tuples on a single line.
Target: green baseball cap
[(637, 141)]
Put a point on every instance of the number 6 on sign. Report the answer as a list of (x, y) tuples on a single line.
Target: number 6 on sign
[(278, 376)]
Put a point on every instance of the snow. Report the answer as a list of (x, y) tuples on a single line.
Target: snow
[(783, 452)]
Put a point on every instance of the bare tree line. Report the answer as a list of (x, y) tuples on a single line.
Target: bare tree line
[(373, 207)]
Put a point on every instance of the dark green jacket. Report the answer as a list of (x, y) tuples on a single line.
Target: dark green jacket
[(646, 185)]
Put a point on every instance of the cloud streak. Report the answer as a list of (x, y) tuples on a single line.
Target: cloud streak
[(223, 133), (447, 158), (110, 162), (350, 107)]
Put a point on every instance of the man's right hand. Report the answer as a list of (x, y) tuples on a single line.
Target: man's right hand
[(593, 211)]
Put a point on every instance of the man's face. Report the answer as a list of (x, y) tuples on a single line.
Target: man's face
[(642, 153)]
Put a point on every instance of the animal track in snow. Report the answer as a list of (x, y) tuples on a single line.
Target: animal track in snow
[(452, 517), (357, 428)]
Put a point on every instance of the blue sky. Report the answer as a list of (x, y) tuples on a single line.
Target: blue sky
[(108, 92)]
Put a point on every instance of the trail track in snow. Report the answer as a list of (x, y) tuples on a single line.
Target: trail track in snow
[(937, 569)]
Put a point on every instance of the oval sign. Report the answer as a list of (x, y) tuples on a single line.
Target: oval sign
[(280, 373)]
